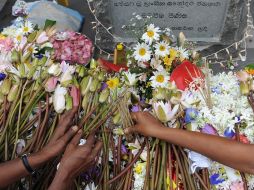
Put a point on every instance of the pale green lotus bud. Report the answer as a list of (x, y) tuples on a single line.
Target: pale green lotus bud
[(94, 85), (31, 37), (5, 87), (42, 61), (181, 39), (31, 72), (13, 93), (15, 56), (93, 64), (25, 57), (244, 88), (85, 84), (81, 72), (117, 119), (85, 101), (37, 85), (22, 70), (104, 95), (1, 98), (68, 100), (101, 76)]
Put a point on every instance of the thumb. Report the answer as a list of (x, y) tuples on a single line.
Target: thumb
[(130, 130)]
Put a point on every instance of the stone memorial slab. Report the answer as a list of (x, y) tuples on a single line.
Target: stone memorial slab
[(206, 22), (2, 3)]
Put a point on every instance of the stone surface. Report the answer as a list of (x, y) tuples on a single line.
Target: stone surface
[(2, 3), (208, 22)]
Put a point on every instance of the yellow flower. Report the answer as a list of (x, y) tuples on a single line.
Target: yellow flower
[(173, 183), (119, 47), (168, 61), (113, 83), (173, 53), (2, 37), (139, 168)]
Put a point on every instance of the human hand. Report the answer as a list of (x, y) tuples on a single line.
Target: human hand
[(62, 135), (145, 124), (78, 158)]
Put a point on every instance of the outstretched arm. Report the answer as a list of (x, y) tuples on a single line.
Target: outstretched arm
[(12, 171), (228, 152)]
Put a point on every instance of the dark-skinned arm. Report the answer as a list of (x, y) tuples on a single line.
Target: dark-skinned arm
[(228, 152), (12, 171)]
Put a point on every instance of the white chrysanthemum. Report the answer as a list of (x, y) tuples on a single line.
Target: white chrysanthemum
[(142, 52), (184, 54), (160, 79), (151, 34), (162, 49), (27, 28)]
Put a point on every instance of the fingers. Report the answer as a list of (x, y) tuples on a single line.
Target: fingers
[(70, 133), (75, 140), (131, 130), (134, 116), (90, 140), (96, 150)]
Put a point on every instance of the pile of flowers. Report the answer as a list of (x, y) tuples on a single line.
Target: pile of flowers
[(44, 73)]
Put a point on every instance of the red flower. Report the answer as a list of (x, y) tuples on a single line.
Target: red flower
[(184, 74), (243, 139), (110, 67)]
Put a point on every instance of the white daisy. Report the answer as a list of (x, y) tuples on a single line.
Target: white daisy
[(142, 52), (184, 54), (162, 49), (27, 28), (152, 34), (160, 79)]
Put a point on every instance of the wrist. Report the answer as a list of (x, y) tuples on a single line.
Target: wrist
[(61, 180)]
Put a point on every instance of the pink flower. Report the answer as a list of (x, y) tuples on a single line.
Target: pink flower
[(50, 85), (42, 38), (6, 44), (237, 186), (75, 94), (242, 76)]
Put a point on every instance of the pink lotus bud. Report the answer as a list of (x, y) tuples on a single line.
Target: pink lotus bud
[(75, 94), (42, 38), (50, 85)]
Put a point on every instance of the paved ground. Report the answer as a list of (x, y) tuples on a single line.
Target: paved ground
[(81, 6)]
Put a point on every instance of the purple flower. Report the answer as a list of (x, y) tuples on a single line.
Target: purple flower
[(104, 86), (215, 179), (2, 76), (229, 133), (209, 129), (190, 115), (124, 150), (135, 108)]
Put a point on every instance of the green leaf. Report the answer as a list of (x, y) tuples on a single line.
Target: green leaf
[(49, 23)]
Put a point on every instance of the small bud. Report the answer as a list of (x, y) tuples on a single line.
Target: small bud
[(101, 76), (42, 61), (104, 95), (22, 70), (5, 87), (181, 39), (25, 57), (94, 85), (31, 37), (85, 101), (93, 64), (68, 100), (85, 84), (13, 93), (81, 72), (15, 56), (244, 88), (117, 119)]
